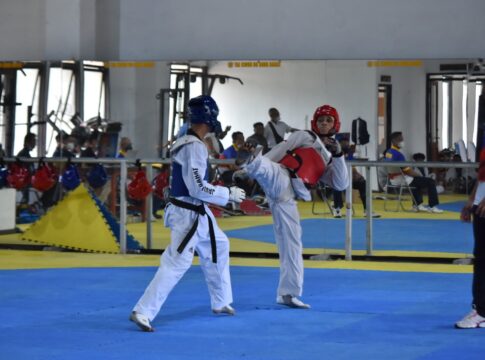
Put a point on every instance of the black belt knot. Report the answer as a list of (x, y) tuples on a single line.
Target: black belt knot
[(200, 210)]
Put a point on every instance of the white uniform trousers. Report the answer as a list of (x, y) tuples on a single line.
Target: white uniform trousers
[(174, 265), (275, 181)]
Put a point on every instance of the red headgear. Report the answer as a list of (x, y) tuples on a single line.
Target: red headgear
[(19, 176), (139, 187), (44, 177), (326, 110)]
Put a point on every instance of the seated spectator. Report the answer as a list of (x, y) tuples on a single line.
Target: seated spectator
[(125, 147), (66, 146), (358, 182), (214, 144), (30, 141), (420, 157), (91, 146), (440, 174), (237, 143), (411, 177), (230, 174), (424, 171), (258, 137), (227, 171)]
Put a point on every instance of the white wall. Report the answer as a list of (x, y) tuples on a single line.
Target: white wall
[(247, 29), (296, 89), (133, 103), (351, 87), (304, 29), (408, 105)]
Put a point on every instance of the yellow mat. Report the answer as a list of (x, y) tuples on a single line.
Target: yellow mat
[(22, 259), (74, 223), (161, 235)]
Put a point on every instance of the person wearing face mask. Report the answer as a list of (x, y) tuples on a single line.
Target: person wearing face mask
[(66, 146), (125, 146), (284, 173), (411, 177)]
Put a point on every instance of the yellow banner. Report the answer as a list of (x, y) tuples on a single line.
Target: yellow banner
[(253, 64), (11, 65), (130, 64), (394, 63)]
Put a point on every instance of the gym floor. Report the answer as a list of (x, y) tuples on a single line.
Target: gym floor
[(68, 305)]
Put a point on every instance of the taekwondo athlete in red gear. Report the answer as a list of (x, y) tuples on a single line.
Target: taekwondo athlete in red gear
[(282, 182), (193, 226)]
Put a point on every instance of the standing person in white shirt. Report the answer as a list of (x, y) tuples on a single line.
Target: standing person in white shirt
[(474, 210), (307, 157), (193, 227), (275, 129)]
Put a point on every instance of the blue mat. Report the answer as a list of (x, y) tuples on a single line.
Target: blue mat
[(83, 314), (453, 206), (388, 234), (114, 225)]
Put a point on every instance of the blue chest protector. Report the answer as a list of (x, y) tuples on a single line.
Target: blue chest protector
[(177, 184)]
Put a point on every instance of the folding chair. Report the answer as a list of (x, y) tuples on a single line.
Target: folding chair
[(321, 191), (397, 192)]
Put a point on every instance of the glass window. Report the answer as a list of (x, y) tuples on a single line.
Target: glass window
[(61, 106), (94, 94), (27, 96)]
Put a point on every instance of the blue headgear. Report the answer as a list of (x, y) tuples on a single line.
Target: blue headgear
[(203, 110), (97, 177), (3, 177), (70, 178)]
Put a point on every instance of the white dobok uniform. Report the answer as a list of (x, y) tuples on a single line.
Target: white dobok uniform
[(189, 165), (277, 184)]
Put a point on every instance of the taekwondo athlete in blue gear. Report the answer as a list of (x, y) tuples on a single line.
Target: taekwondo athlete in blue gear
[(282, 185), (193, 227)]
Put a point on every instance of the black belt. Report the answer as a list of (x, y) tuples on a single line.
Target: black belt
[(200, 210)]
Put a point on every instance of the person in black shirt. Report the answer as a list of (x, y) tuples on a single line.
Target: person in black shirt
[(30, 141), (91, 146), (258, 136)]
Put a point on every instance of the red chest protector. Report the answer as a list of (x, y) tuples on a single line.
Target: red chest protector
[(306, 163)]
